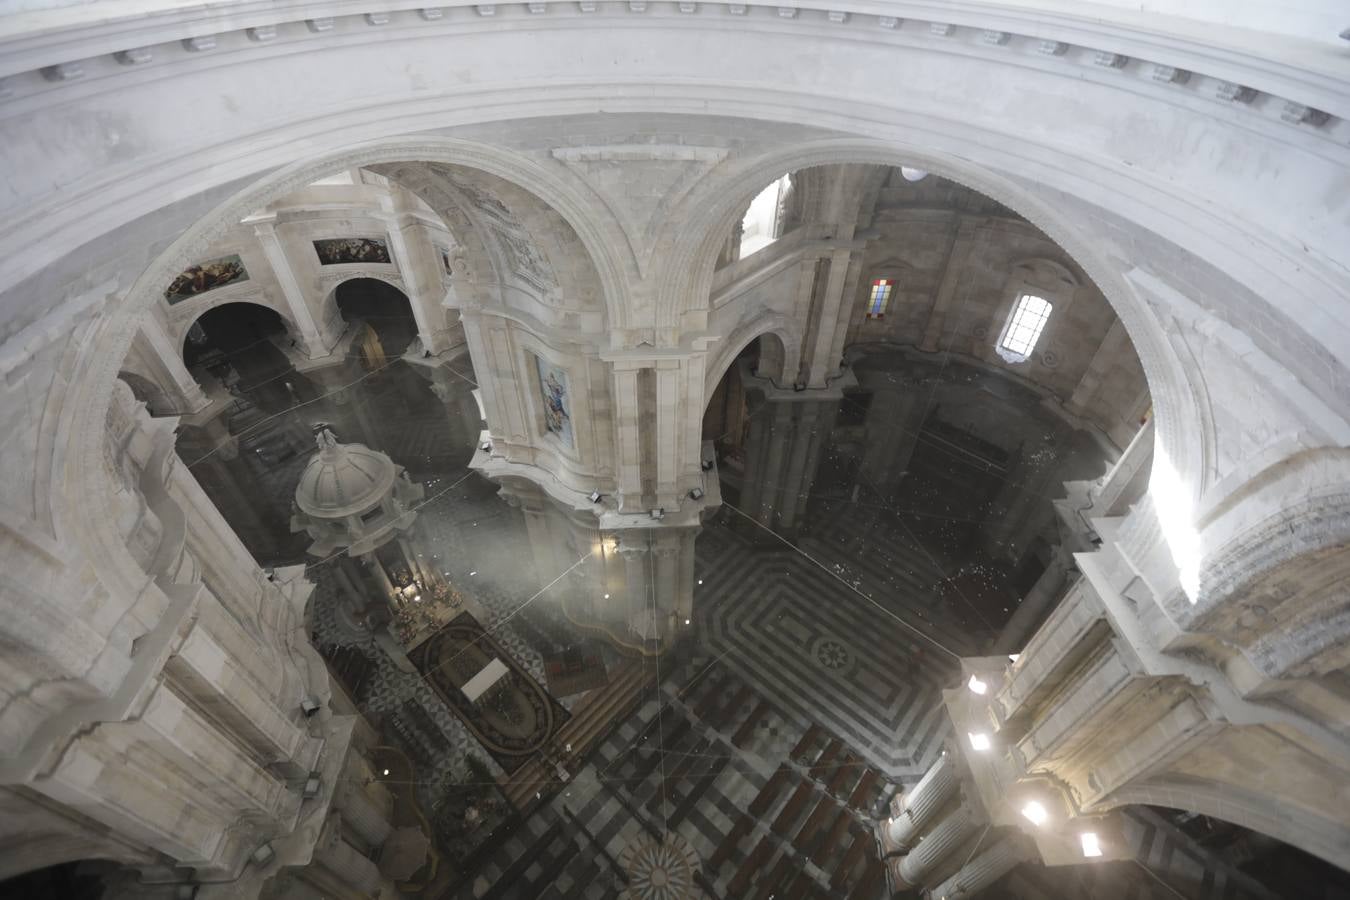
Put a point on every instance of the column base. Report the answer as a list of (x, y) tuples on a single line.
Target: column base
[(888, 847), (897, 884)]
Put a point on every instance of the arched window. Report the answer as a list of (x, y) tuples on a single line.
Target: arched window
[(1024, 327), (760, 226), (880, 297)]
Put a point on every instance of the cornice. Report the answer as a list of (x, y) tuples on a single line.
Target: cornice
[(40, 52)]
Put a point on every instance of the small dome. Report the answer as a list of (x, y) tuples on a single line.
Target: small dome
[(343, 479)]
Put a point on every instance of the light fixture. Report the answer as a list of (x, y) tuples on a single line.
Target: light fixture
[(686, 621), (311, 789), (607, 596), (309, 706), (708, 464), (700, 581), (909, 173), (486, 446), (696, 494), (1035, 813), (1012, 657), (263, 855), (1091, 845), (976, 685), (595, 496), (658, 513), (979, 741), (386, 773)]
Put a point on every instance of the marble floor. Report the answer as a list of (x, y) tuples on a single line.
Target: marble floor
[(760, 749)]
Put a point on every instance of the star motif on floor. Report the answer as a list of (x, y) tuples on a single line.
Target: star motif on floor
[(832, 654), (660, 869)]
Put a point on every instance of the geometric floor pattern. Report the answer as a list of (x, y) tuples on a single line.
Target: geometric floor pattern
[(717, 747), (822, 653)]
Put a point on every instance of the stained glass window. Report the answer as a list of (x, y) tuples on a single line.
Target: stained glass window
[(880, 298), (1027, 323)]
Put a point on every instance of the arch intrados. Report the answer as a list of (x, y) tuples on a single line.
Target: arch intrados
[(776, 327), (202, 313), (392, 280), (1262, 813), (711, 213)]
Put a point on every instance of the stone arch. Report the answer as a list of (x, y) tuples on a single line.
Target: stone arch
[(1178, 395), (147, 391), (181, 334), (329, 307), (1262, 811), (783, 343), (94, 357)]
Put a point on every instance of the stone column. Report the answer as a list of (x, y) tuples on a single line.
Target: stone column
[(823, 361), (963, 241), (345, 862), (1022, 500), (316, 342), (913, 810), (635, 579), (665, 575), (1128, 479), (669, 436), (982, 871), (421, 278), (1115, 348), (955, 829), (364, 816), (159, 353), (1043, 594), (627, 417), (893, 421)]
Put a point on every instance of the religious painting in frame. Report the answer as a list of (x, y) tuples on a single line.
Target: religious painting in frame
[(557, 401), (206, 276), (337, 251)]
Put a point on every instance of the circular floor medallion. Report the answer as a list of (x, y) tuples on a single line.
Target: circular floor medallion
[(660, 869), (831, 653)]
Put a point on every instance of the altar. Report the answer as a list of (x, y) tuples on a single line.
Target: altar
[(479, 688)]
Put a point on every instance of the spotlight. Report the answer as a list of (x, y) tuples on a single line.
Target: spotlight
[(486, 446), (263, 855), (707, 465), (909, 173), (1035, 813), (312, 785), (696, 494), (1092, 846), (595, 496), (607, 596), (386, 773), (976, 685), (658, 513), (686, 621), (1012, 657), (309, 705), (979, 741)]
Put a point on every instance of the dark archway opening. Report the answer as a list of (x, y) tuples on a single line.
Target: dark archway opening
[(385, 309), (237, 345), (80, 880)]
